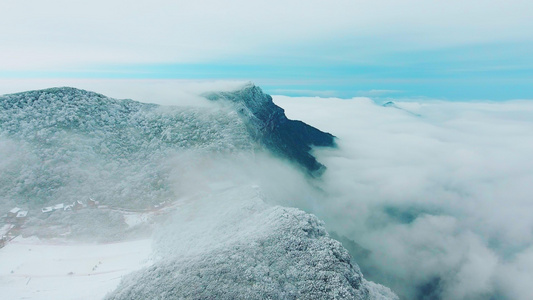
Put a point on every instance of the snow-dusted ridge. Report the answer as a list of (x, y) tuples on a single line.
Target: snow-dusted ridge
[(73, 143), (233, 245), (116, 150), (223, 241)]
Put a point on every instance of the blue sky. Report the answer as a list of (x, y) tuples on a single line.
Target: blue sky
[(457, 51)]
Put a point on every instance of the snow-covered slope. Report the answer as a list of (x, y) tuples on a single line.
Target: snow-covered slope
[(221, 238), (45, 269), (60, 144), (232, 245)]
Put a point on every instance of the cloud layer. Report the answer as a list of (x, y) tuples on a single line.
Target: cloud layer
[(63, 34), (438, 192)]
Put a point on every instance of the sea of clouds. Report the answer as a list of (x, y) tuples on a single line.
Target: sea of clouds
[(432, 198), (438, 194)]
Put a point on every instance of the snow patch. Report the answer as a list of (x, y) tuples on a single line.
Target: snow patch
[(34, 269)]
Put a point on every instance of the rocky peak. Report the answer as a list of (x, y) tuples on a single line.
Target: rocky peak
[(269, 125)]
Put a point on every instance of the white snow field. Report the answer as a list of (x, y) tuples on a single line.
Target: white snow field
[(35, 269)]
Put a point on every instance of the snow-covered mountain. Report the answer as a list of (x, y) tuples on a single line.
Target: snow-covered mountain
[(219, 237), (233, 245), (63, 143)]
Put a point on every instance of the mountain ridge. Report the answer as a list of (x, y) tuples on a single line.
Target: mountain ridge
[(66, 144), (289, 138), (84, 136)]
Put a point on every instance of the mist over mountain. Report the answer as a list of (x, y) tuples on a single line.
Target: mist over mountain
[(206, 179), (73, 143), (295, 149), (61, 144)]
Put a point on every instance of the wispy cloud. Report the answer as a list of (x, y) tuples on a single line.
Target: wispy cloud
[(62, 34)]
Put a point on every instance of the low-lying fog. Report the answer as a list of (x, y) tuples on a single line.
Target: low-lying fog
[(438, 193)]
